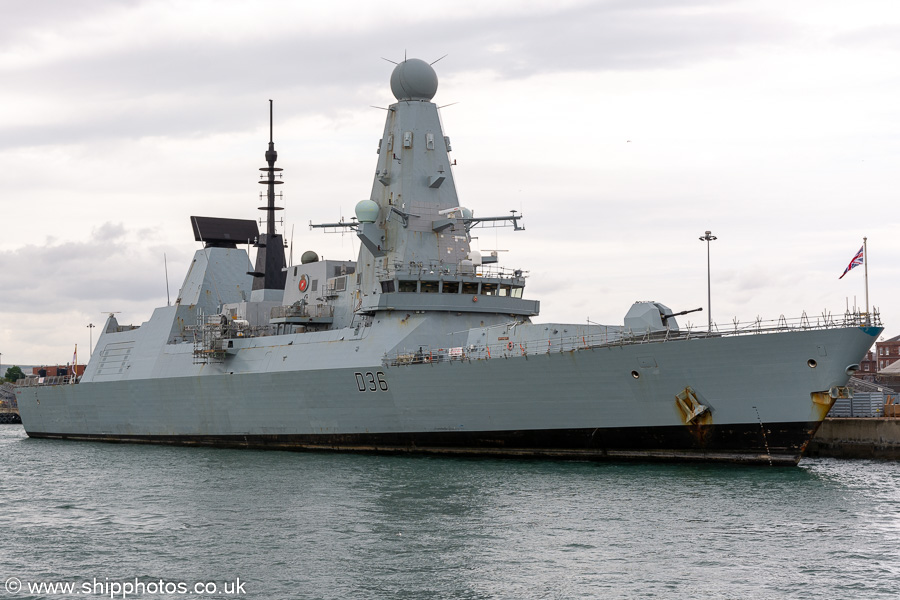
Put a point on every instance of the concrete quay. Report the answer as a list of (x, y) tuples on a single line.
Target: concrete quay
[(862, 437)]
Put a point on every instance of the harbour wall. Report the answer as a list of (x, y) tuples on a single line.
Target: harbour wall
[(857, 438), (9, 409)]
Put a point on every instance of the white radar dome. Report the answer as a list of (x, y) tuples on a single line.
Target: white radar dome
[(414, 79), (367, 211)]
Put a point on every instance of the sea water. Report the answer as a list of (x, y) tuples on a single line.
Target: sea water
[(129, 521)]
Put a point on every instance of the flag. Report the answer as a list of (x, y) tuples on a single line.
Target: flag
[(74, 364), (857, 260)]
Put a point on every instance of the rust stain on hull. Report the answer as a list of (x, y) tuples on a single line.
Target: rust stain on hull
[(695, 415), (823, 401)]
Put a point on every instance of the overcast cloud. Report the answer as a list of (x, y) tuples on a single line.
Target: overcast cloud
[(622, 130)]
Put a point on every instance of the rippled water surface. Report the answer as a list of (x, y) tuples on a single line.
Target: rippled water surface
[(341, 526)]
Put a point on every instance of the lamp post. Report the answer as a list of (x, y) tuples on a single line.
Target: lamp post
[(708, 238)]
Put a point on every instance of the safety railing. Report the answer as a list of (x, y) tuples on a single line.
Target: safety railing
[(56, 380), (431, 268), (610, 336)]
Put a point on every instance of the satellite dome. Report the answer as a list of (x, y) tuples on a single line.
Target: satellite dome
[(367, 211), (414, 79), (309, 257)]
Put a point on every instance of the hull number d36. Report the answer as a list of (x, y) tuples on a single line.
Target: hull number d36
[(371, 382)]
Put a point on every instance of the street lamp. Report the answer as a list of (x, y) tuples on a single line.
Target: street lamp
[(708, 238)]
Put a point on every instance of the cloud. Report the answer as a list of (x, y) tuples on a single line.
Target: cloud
[(25, 24), (887, 36), (139, 73), (57, 288), (114, 266)]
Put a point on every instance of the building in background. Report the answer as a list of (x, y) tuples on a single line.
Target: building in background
[(57, 370), (883, 355), (868, 367), (887, 352)]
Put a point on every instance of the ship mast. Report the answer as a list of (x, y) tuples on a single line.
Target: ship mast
[(270, 265)]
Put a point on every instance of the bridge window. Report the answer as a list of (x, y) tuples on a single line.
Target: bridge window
[(489, 289), (470, 287), (504, 290), (387, 287), (409, 286), (430, 287), (450, 287), (516, 292)]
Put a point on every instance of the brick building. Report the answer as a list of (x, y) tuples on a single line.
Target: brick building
[(887, 352), (868, 367), (57, 370), (884, 354)]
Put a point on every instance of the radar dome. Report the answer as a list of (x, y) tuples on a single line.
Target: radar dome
[(414, 79), (309, 257), (366, 211)]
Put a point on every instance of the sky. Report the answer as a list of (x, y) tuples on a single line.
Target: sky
[(622, 130)]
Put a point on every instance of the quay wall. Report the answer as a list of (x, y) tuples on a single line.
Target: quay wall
[(857, 438)]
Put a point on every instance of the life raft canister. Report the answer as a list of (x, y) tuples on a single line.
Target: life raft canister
[(304, 282)]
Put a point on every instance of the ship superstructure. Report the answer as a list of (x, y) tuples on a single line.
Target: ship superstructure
[(424, 345)]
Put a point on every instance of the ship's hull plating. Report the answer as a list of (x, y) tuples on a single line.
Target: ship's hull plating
[(587, 404), (734, 443)]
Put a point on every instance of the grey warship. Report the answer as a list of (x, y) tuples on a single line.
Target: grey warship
[(423, 345)]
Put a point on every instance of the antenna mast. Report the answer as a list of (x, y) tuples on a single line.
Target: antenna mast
[(269, 271), (269, 182)]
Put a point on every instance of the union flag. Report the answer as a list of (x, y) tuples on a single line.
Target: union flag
[(857, 260)]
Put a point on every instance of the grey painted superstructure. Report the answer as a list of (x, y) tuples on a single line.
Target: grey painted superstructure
[(422, 345)]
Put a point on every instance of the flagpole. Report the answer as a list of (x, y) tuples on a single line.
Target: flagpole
[(866, 266)]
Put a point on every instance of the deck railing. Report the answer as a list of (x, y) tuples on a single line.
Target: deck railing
[(619, 336), (56, 380), (428, 269)]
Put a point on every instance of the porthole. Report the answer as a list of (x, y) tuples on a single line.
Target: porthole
[(812, 363), (635, 374)]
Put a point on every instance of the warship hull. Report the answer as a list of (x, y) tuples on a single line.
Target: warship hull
[(764, 401)]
